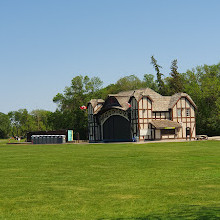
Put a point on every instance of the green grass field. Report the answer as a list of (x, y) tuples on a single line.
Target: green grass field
[(110, 181)]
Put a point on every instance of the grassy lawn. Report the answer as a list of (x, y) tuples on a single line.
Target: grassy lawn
[(110, 181)]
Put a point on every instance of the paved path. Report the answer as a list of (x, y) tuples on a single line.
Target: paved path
[(165, 140), (216, 138)]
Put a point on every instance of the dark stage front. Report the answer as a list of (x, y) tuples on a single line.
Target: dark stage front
[(116, 128)]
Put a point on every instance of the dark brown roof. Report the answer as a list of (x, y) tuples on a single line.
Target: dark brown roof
[(160, 124), (122, 100)]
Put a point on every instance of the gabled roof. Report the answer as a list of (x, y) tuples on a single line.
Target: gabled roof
[(95, 102), (122, 100), (174, 99)]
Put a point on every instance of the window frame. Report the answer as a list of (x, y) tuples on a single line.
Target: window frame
[(188, 112), (179, 109)]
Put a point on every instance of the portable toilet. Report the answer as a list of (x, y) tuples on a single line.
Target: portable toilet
[(40, 139), (48, 139), (33, 139), (52, 139), (59, 139), (56, 139), (44, 139), (36, 139)]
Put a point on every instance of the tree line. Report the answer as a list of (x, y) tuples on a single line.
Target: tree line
[(201, 83)]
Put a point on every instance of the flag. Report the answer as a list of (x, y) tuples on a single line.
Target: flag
[(129, 105), (83, 107)]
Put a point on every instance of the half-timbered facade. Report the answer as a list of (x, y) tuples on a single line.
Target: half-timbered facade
[(141, 115)]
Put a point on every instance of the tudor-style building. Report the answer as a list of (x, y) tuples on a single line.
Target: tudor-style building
[(142, 115)]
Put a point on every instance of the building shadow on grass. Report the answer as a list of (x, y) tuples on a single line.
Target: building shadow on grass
[(191, 212)]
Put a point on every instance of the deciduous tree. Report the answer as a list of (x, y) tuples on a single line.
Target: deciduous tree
[(81, 90), (4, 125)]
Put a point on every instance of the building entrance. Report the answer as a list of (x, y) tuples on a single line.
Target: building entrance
[(116, 128)]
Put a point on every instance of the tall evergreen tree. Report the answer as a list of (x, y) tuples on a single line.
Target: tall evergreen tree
[(160, 82), (175, 82)]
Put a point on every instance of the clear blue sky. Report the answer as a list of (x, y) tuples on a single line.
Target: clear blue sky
[(45, 43)]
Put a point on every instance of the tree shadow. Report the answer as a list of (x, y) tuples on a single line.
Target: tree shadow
[(190, 212)]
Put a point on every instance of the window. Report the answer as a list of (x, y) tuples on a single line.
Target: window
[(167, 115), (158, 115), (188, 112), (179, 112), (167, 131)]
